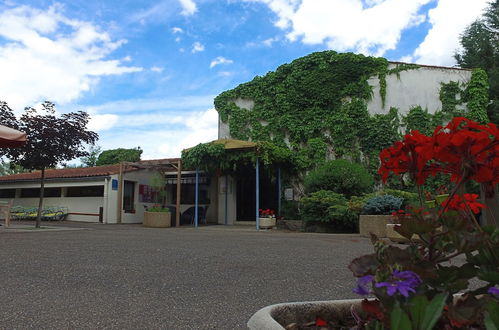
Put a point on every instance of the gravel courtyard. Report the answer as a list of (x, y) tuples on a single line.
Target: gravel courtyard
[(130, 277)]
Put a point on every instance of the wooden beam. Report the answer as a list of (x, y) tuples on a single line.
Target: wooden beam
[(120, 193), (179, 182)]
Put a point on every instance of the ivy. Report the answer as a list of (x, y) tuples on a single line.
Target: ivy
[(402, 67), (420, 120), (450, 96), (476, 95)]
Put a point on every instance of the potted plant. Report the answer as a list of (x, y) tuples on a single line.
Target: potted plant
[(417, 286), (157, 217), (377, 213), (267, 218)]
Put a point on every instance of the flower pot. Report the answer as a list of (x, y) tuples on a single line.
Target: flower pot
[(267, 223), (375, 224), (157, 219), (277, 317)]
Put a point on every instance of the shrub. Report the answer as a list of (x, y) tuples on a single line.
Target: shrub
[(328, 207), (339, 176), (157, 208), (290, 210), (408, 198), (383, 204)]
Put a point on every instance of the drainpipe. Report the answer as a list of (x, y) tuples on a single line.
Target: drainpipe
[(105, 202), (120, 193)]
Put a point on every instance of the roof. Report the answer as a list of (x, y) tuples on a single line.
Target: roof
[(233, 144), (83, 172)]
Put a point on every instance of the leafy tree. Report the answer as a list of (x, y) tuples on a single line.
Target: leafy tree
[(115, 156), (9, 168), (93, 155), (480, 42), (51, 139)]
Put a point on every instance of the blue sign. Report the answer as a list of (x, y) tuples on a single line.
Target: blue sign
[(114, 184)]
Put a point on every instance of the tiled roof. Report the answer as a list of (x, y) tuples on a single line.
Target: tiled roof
[(81, 172)]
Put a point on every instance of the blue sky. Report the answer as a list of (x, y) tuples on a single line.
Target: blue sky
[(147, 71)]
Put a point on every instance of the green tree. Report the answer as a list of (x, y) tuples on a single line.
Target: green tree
[(9, 168), (115, 156), (93, 155), (480, 42), (51, 139)]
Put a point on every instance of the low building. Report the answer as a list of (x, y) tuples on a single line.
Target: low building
[(94, 194)]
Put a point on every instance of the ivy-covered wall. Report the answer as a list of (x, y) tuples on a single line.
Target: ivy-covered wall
[(330, 105)]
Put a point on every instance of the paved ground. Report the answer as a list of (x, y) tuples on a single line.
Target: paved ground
[(130, 277)]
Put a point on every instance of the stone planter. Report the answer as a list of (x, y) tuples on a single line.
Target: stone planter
[(375, 224), (276, 317), (267, 223), (157, 219)]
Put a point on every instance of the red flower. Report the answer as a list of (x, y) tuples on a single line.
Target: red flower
[(457, 203), (320, 322)]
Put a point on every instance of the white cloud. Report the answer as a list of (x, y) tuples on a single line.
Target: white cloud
[(188, 7), (220, 60), (48, 56), (344, 25), (449, 19), (197, 47), (104, 122), (176, 29), (268, 42), (157, 69)]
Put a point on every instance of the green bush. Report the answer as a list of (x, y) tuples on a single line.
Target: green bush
[(383, 204), (290, 210), (356, 203), (340, 176), (328, 207), (157, 208)]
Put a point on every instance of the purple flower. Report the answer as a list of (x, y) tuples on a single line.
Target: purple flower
[(493, 290), (362, 285), (403, 282)]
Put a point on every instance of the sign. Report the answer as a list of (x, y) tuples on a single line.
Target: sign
[(288, 194), (114, 184)]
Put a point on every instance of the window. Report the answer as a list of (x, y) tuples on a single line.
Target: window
[(7, 193), (85, 191), (188, 194), (35, 192), (129, 196)]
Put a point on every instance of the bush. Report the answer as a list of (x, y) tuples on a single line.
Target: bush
[(356, 204), (290, 210), (328, 207), (339, 176), (383, 204), (157, 208)]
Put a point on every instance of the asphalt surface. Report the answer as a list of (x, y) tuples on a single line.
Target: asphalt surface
[(130, 277)]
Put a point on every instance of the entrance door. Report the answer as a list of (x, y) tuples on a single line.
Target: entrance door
[(246, 194)]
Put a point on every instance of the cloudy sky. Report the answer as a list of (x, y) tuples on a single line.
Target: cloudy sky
[(148, 70)]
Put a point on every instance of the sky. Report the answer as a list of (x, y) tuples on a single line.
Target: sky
[(147, 71)]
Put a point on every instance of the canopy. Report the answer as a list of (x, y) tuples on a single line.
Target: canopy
[(11, 138), (231, 144)]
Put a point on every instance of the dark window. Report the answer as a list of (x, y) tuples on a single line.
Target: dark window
[(85, 191), (35, 192), (188, 194), (129, 196), (7, 193)]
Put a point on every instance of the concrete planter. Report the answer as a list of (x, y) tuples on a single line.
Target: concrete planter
[(267, 223), (157, 219), (276, 317), (375, 224)]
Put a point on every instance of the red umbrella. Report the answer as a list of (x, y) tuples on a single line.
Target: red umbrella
[(11, 138)]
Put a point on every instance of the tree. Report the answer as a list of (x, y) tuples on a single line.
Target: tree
[(93, 155), (480, 42), (51, 139), (115, 156), (9, 168)]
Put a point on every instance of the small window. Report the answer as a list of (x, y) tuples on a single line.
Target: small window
[(85, 191), (7, 193), (35, 192)]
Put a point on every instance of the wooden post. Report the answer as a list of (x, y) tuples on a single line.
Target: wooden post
[(120, 193), (179, 179)]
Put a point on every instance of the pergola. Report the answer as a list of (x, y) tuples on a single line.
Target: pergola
[(234, 146)]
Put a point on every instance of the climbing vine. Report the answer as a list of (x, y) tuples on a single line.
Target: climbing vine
[(476, 95)]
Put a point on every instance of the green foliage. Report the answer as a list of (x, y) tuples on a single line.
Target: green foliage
[(340, 176), (383, 204), (93, 155), (158, 208), (480, 50), (290, 210), (402, 67), (328, 207), (419, 119), (115, 156), (477, 96), (450, 96), (356, 204)]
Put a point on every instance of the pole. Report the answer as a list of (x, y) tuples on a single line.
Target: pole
[(257, 188), (179, 179), (226, 217), (120, 193), (279, 191), (196, 213)]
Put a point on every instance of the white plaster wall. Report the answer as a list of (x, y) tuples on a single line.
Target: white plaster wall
[(415, 87), (419, 86), (88, 205)]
